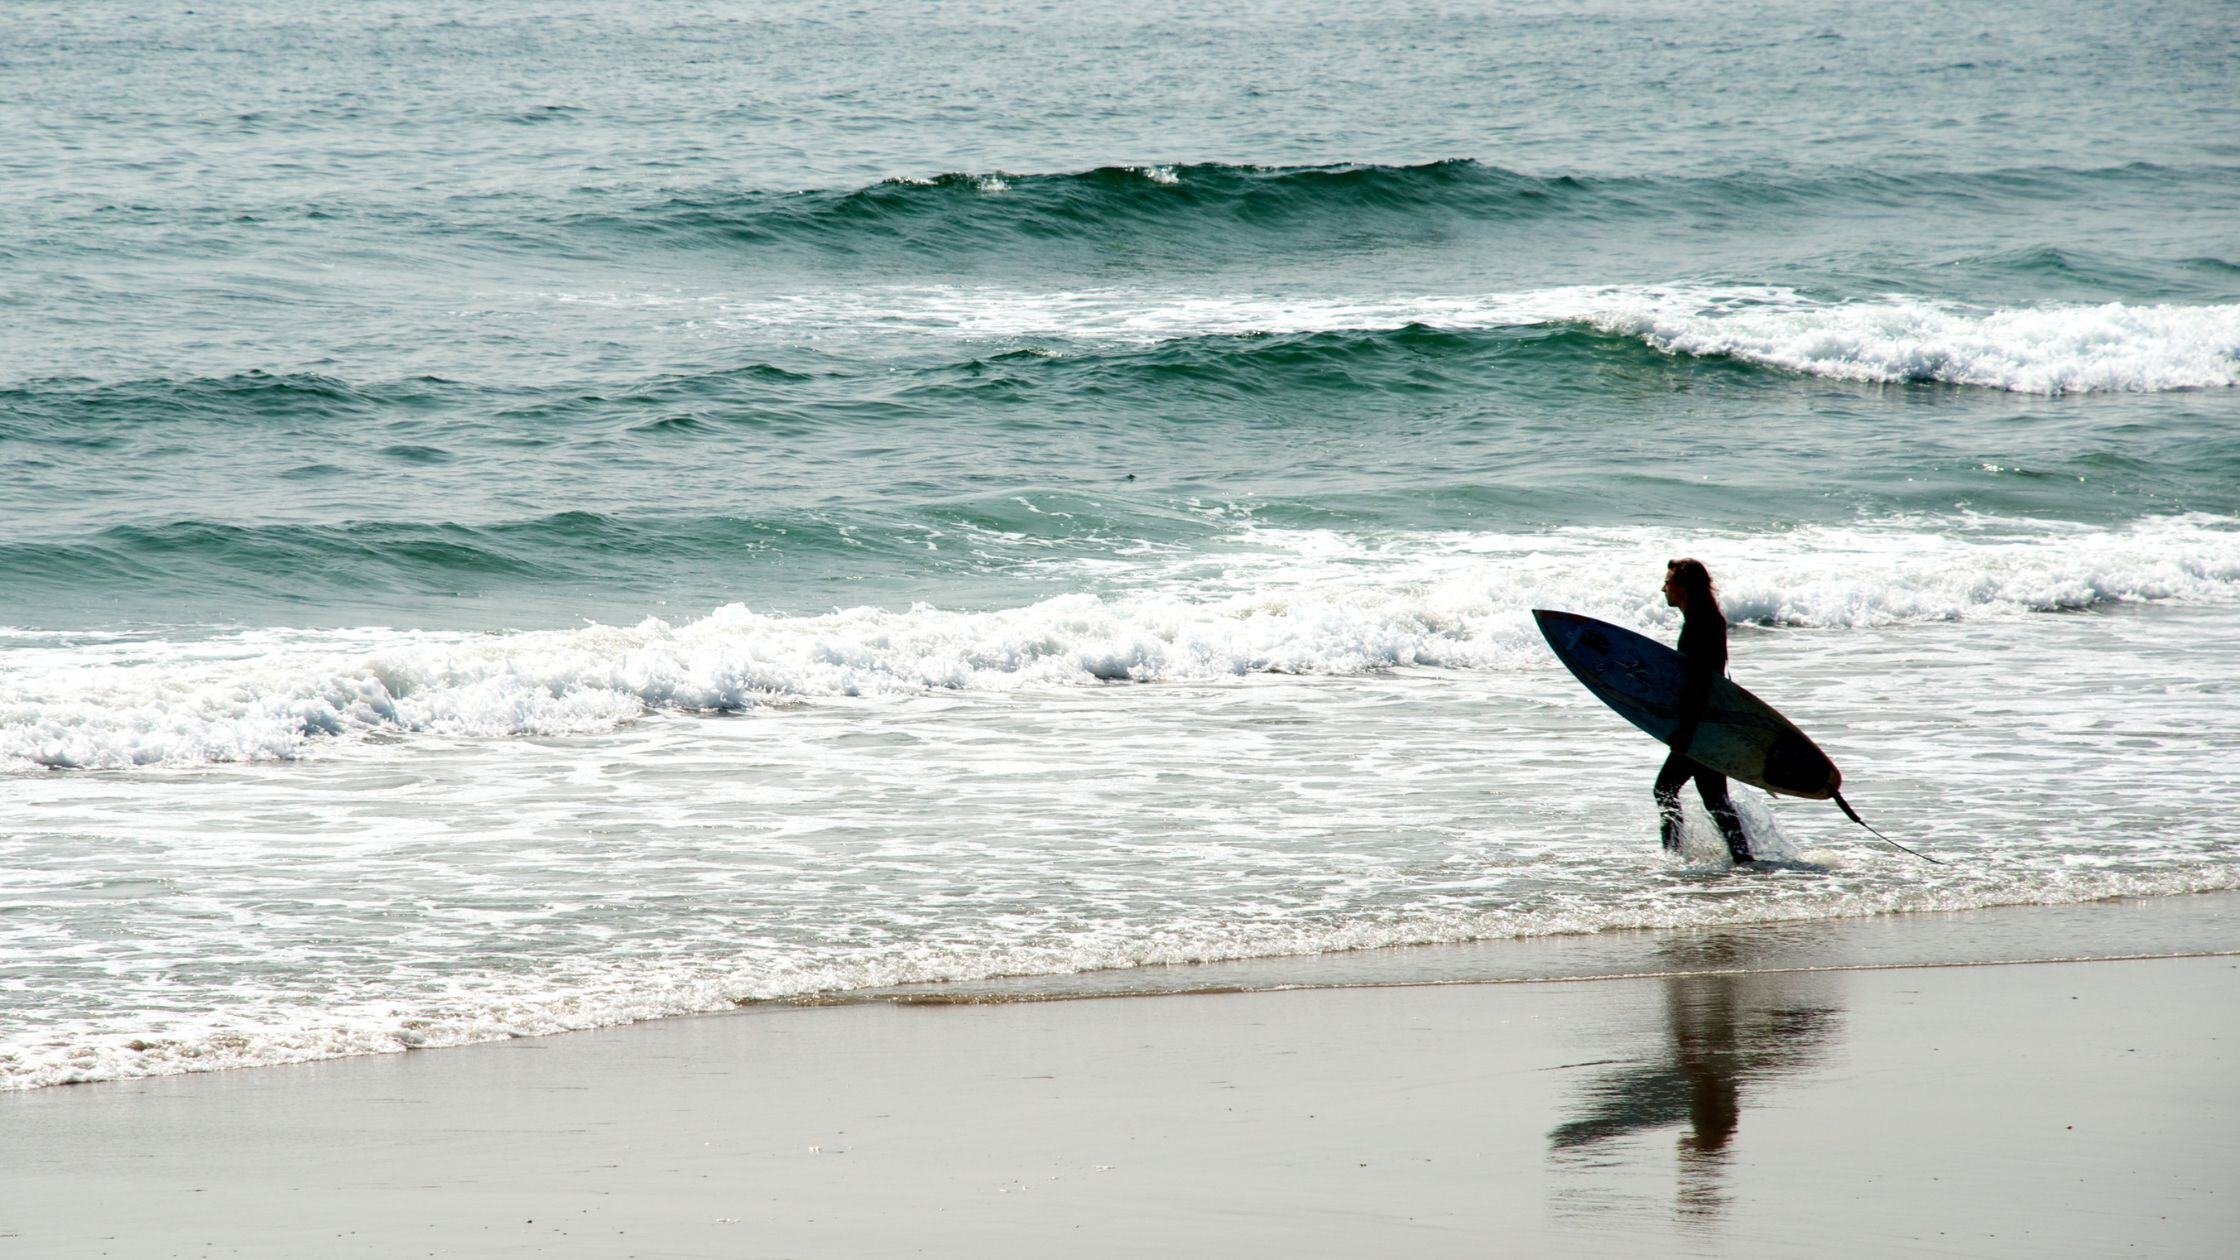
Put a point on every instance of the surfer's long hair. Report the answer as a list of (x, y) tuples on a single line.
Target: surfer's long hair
[(1696, 581)]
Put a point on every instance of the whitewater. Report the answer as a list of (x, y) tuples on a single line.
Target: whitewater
[(1293, 603)]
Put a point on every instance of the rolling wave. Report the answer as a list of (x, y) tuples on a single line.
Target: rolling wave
[(78, 411), (385, 555), (968, 341), (1208, 206), (1897, 339), (1411, 358), (960, 210)]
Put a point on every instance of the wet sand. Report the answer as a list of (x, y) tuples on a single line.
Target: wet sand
[(2073, 1108)]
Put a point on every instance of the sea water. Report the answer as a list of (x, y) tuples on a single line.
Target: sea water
[(526, 517)]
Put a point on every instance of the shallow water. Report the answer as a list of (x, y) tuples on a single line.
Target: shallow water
[(533, 520)]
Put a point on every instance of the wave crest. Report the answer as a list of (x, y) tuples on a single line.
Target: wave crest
[(959, 210), (2054, 349), (1197, 207)]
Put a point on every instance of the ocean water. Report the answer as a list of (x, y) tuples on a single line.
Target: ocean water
[(520, 517)]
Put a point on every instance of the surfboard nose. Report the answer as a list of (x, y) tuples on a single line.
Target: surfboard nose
[(1552, 622), (1568, 633)]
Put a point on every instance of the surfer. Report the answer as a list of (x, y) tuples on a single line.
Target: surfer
[(1703, 643)]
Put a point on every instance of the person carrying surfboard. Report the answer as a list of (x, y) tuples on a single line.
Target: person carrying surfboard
[(1715, 728), (1703, 645)]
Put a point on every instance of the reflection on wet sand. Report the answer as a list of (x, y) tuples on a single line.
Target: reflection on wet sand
[(1725, 1033)]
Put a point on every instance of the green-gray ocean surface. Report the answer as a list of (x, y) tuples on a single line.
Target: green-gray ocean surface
[(524, 516)]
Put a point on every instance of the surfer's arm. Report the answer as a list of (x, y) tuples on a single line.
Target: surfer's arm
[(1703, 658), (1695, 695)]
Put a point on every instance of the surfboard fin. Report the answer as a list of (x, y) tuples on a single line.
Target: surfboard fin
[(1853, 815)]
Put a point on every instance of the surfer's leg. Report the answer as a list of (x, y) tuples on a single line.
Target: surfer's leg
[(1712, 787), (1676, 771)]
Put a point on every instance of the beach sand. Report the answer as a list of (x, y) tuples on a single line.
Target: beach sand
[(2058, 1108)]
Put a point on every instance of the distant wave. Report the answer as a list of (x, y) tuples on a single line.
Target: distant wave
[(361, 556), (1300, 602), (1257, 366), (1184, 212), (1205, 206), (2054, 349), (2051, 351), (995, 337), (86, 412), (960, 210)]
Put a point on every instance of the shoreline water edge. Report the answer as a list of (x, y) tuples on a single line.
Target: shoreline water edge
[(1729, 1107)]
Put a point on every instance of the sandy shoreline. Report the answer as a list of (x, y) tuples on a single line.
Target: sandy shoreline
[(2077, 1108)]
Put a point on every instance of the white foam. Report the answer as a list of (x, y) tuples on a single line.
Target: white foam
[(262, 697), (2049, 350), (2043, 350), (1278, 601)]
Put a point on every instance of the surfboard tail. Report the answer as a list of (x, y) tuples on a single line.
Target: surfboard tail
[(1853, 815), (1849, 812)]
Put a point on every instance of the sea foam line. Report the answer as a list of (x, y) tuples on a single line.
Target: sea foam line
[(1293, 602)]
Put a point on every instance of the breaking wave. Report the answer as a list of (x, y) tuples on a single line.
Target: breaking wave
[(1279, 601), (2050, 350)]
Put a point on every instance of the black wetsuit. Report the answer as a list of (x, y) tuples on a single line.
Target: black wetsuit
[(1703, 641)]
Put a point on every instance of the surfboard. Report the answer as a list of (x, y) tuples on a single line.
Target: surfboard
[(1739, 736)]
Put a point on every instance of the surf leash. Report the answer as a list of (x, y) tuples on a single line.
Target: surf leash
[(1853, 815)]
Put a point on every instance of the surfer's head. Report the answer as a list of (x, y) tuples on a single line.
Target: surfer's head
[(1687, 584)]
